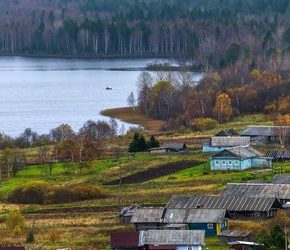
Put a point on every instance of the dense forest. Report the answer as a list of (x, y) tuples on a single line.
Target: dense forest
[(212, 32)]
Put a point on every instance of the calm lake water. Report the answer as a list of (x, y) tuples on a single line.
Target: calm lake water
[(42, 93)]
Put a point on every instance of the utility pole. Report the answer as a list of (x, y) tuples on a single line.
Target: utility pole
[(286, 239)]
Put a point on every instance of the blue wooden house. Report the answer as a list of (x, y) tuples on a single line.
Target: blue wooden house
[(219, 143), (239, 158), (212, 221)]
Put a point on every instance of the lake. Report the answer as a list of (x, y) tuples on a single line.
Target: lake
[(42, 93)]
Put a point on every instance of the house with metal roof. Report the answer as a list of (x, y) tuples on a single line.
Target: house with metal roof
[(213, 221), (220, 143), (237, 207), (259, 190), (264, 134), (172, 239), (158, 239), (239, 158)]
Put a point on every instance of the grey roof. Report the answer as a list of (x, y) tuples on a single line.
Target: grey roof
[(281, 179), (281, 191), (228, 132), (240, 152), (235, 233), (206, 215), (230, 203), (255, 130), (278, 155), (174, 145), (128, 211), (147, 215), (172, 237), (186, 215), (175, 215), (226, 141)]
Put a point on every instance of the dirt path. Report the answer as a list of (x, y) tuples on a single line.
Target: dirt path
[(165, 169)]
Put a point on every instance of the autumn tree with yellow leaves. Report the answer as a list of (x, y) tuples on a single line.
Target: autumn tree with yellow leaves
[(223, 108)]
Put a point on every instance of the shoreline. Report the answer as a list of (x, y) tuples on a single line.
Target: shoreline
[(128, 115)]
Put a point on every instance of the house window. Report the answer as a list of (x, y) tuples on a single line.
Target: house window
[(230, 162), (189, 248), (210, 226), (224, 162), (236, 162), (217, 162)]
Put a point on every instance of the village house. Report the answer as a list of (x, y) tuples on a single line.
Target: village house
[(239, 158), (158, 239), (172, 239), (237, 207), (264, 134), (220, 143), (259, 190), (171, 147), (213, 221)]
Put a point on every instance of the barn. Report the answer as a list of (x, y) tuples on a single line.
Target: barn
[(258, 190), (239, 158), (237, 207), (264, 134)]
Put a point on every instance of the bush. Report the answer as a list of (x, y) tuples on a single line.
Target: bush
[(15, 222), (30, 193), (203, 124), (43, 193)]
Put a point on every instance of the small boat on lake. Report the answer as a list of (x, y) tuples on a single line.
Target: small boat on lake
[(108, 88)]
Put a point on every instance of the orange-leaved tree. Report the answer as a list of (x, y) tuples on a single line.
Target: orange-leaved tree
[(223, 107)]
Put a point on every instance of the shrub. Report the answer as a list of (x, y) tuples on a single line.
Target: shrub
[(203, 124), (15, 221), (43, 193), (32, 192)]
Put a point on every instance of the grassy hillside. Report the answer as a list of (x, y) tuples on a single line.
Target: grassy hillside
[(88, 223)]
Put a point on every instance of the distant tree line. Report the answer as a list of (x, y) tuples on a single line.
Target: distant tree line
[(211, 32)]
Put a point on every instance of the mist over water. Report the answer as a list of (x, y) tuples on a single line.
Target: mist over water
[(42, 93)]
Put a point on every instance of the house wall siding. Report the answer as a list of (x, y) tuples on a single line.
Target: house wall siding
[(186, 247), (224, 163), (211, 149)]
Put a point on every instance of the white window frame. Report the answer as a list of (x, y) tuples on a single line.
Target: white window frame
[(224, 163), (237, 162), (210, 226), (217, 162), (230, 162)]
